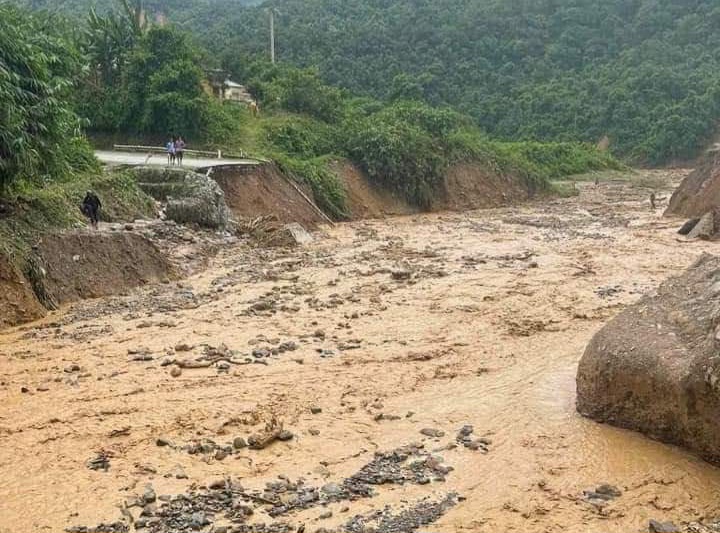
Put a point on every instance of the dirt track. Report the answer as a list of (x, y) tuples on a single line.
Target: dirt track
[(421, 322)]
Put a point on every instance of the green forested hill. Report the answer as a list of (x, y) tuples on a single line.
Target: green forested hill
[(646, 73), (124, 72), (166, 7)]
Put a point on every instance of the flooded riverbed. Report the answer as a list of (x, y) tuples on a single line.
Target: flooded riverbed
[(355, 344)]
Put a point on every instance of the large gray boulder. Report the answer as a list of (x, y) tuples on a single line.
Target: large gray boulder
[(655, 368), (189, 197), (699, 192)]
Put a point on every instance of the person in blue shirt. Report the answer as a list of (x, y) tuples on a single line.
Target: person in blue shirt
[(170, 149)]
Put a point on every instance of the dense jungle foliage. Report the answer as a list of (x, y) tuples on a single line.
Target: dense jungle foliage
[(126, 71), (644, 73), (39, 131)]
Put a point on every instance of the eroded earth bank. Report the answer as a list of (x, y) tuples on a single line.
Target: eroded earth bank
[(334, 385)]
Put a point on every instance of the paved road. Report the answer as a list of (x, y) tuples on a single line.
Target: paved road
[(130, 158)]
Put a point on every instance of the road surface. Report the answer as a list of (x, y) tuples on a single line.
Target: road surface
[(129, 158)]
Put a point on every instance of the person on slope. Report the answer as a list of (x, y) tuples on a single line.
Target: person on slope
[(179, 150), (170, 149), (91, 208)]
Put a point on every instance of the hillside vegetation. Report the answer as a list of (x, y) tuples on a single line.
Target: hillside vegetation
[(645, 73), (120, 73), (81, 7), (405, 146)]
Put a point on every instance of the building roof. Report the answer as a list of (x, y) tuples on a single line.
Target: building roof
[(233, 85)]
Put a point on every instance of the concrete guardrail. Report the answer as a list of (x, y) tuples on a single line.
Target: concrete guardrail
[(161, 150)]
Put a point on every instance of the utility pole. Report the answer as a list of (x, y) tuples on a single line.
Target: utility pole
[(272, 12), (272, 35)]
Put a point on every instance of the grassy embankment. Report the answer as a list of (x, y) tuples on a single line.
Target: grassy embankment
[(28, 209), (405, 148)]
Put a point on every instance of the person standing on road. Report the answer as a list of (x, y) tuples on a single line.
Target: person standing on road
[(91, 208), (179, 150), (170, 149)]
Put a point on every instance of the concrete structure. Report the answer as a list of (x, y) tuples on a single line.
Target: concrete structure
[(160, 159), (220, 86), (234, 92)]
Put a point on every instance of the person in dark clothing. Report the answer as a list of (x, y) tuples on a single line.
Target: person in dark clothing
[(179, 150), (91, 208)]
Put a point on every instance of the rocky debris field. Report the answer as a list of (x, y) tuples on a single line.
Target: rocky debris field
[(410, 374)]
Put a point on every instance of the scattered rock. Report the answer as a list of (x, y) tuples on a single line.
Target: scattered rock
[(465, 431), (285, 435), (178, 473), (401, 274), (603, 494), (662, 527), (189, 197), (332, 489), (114, 527), (217, 484), (199, 520), (688, 226), (100, 462), (434, 433), (149, 495), (182, 347), (220, 455), (705, 228), (420, 514)]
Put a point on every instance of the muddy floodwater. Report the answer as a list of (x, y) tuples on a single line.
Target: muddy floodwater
[(378, 336)]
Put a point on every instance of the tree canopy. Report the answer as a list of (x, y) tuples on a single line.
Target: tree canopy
[(645, 73), (39, 132), (135, 74)]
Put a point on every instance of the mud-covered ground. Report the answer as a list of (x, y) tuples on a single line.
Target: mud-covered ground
[(414, 373)]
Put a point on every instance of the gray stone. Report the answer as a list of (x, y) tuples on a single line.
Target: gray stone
[(655, 367), (285, 435), (609, 490), (466, 431), (662, 527), (401, 274), (189, 197), (198, 520), (705, 228), (220, 455), (332, 489), (217, 484), (688, 226), (431, 432), (149, 495)]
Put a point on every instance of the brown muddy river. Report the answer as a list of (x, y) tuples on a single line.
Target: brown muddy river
[(382, 329)]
